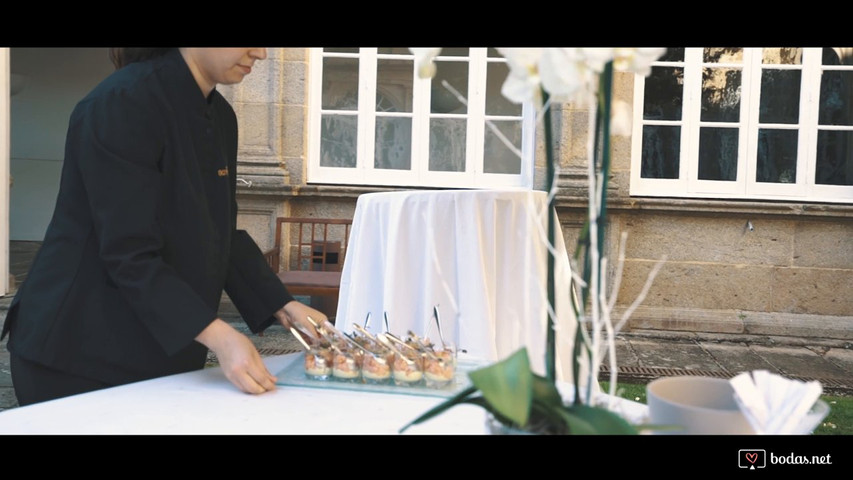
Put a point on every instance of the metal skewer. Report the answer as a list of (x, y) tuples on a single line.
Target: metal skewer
[(298, 336), (384, 339), (438, 322)]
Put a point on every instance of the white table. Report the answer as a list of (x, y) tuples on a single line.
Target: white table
[(478, 254), (204, 402)]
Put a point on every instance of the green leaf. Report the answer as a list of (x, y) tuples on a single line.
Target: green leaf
[(507, 386), (446, 405), (587, 420), (546, 392)]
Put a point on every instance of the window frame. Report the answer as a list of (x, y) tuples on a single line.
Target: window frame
[(419, 175), (688, 185)]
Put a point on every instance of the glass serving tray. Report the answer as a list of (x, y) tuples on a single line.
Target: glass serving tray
[(294, 374)]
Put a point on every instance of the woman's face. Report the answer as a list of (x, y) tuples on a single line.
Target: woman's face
[(212, 66)]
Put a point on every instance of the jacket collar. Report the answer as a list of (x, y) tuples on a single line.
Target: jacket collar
[(178, 73)]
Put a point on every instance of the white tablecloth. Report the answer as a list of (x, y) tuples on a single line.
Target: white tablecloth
[(478, 254), (204, 402)]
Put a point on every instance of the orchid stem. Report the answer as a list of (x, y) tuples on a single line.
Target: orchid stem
[(551, 350)]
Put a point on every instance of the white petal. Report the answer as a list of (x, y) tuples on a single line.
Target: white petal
[(596, 58), (621, 118), (522, 88), (559, 71), (424, 61), (521, 59)]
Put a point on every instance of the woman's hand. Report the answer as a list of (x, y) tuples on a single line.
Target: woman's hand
[(296, 314), (238, 357)]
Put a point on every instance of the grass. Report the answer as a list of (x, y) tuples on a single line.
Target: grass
[(838, 422)]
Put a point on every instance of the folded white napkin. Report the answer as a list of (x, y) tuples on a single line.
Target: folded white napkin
[(772, 403)]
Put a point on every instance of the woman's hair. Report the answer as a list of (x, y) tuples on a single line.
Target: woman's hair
[(125, 56)]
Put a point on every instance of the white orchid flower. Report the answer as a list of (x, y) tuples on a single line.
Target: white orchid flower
[(562, 74), (523, 83), (596, 58), (637, 60), (424, 63), (621, 118)]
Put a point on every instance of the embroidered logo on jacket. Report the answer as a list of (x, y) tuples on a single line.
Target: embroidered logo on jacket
[(223, 172)]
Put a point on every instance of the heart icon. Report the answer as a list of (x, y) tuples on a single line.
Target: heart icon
[(752, 457)]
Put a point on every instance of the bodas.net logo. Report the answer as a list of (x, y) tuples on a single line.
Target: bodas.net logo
[(751, 458)]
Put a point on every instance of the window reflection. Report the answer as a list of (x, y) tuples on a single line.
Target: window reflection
[(664, 93), (780, 96), (777, 156), (838, 56), (496, 103), (442, 98), (393, 143), (394, 85), (834, 158), (718, 151), (498, 157), (340, 84), (836, 104), (673, 55), (721, 94), (341, 50), (723, 55), (394, 51), (447, 144), (661, 151), (782, 56), (338, 134)]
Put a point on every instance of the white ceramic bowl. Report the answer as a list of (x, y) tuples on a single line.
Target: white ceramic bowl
[(695, 405), (698, 405)]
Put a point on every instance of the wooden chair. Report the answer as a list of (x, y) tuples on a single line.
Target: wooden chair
[(314, 251)]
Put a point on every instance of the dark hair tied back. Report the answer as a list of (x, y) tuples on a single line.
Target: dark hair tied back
[(125, 56)]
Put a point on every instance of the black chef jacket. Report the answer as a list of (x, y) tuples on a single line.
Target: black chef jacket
[(143, 239)]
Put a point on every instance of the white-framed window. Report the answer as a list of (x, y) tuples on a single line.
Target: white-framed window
[(373, 121), (747, 123)]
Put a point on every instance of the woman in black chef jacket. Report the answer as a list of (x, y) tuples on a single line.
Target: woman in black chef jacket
[(144, 239)]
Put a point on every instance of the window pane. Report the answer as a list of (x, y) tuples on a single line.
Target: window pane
[(341, 50), (661, 151), (338, 141), (780, 96), (394, 51), (493, 52), (340, 84), (394, 85), (447, 144), (673, 55), (836, 104), (723, 55), (496, 103), (721, 94), (664, 92), (497, 156), (834, 158), (782, 56), (718, 154), (442, 98), (454, 52), (838, 56), (777, 156), (393, 143)]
